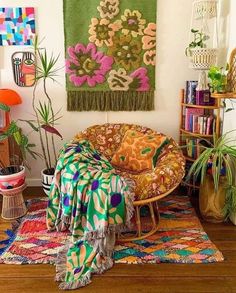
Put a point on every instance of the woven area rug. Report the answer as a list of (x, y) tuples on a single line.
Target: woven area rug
[(180, 239)]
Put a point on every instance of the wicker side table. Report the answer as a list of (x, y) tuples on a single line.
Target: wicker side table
[(13, 205)]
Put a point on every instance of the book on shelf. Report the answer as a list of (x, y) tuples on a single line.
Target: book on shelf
[(194, 147), (189, 112), (190, 93), (198, 122)]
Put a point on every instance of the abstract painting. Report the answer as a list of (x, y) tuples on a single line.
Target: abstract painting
[(23, 66), (17, 26)]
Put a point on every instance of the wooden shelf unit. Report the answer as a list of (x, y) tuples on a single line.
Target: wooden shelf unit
[(214, 110)]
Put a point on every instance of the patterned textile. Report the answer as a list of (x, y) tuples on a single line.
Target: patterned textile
[(138, 151), (111, 51), (181, 238), (30, 242), (91, 201), (169, 169)]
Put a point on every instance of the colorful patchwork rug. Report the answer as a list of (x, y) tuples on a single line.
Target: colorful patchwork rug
[(180, 239)]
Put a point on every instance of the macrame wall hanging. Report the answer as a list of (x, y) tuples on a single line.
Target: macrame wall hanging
[(110, 54)]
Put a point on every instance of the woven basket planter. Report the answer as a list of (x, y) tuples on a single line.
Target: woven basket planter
[(203, 58)]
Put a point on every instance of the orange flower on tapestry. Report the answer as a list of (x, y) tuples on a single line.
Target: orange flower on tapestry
[(108, 8), (132, 23), (149, 44), (102, 31)]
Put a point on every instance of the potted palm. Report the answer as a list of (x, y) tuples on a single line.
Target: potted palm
[(216, 168), (45, 116)]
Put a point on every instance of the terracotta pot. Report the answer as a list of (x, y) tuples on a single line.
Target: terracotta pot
[(12, 177), (46, 180), (211, 203)]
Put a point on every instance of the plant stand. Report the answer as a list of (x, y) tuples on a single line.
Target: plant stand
[(13, 206)]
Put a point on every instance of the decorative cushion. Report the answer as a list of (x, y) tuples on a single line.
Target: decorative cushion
[(138, 151)]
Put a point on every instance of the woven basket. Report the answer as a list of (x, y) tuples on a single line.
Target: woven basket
[(205, 9), (203, 58)]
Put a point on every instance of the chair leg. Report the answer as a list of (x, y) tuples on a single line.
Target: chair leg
[(138, 221)]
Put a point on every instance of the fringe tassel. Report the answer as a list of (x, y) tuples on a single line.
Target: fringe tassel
[(110, 101), (61, 263)]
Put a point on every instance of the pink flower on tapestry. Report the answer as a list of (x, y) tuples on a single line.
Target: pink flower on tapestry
[(140, 80), (149, 44), (87, 65)]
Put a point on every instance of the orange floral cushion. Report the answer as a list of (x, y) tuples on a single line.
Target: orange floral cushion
[(138, 151)]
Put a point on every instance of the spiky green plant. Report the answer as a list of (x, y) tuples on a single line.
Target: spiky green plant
[(45, 117), (222, 154)]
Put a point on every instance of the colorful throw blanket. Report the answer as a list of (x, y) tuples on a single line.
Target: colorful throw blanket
[(90, 200), (111, 51)]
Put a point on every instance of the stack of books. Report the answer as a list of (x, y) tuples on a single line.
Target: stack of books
[(197, 97), (194, 147), (198, 122)]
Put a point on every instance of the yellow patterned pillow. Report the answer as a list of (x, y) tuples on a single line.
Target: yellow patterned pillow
[(138, 151)]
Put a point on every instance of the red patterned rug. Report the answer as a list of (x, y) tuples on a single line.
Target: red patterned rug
[(180, 239)]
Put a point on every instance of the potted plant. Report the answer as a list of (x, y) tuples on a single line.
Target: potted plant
[(218, 79), (13, 176), (201, 57), (215, 166), (199, 39), (45, 116)]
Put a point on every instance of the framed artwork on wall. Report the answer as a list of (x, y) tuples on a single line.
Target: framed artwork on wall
[(23, 66), (17, 26)]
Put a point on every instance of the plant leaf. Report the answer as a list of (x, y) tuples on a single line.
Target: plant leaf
[(51, 129), (4, 107)]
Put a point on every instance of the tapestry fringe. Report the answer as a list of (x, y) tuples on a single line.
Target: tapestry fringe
[(110, 101)]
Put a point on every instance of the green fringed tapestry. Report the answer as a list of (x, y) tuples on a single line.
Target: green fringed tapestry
[(110, 54)]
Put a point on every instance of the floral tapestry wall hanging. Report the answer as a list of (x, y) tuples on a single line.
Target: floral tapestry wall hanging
[(17, 26), (110, 54)]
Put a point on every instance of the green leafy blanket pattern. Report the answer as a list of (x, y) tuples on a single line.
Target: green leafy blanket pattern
[(90, 200)]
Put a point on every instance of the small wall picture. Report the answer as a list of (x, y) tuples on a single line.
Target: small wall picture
[(24, 68), (17, 26)]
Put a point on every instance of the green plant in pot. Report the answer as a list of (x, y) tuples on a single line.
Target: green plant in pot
[(45, 115), (13, 176), (218, 79), (199, 41), (215, 166)]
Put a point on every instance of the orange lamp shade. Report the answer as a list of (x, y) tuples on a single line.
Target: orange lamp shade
[(9, 97)]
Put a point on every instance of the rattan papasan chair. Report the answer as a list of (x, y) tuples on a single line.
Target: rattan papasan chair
[(151, 183)]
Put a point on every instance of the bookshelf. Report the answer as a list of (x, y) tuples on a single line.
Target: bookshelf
[(198, 125)]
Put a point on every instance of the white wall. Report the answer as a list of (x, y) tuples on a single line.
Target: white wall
[(173, 22), (230, 117)]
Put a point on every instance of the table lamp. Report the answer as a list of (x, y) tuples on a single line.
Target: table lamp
[(10, 98)]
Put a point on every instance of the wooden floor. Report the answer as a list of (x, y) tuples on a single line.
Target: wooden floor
[(217, 277)]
